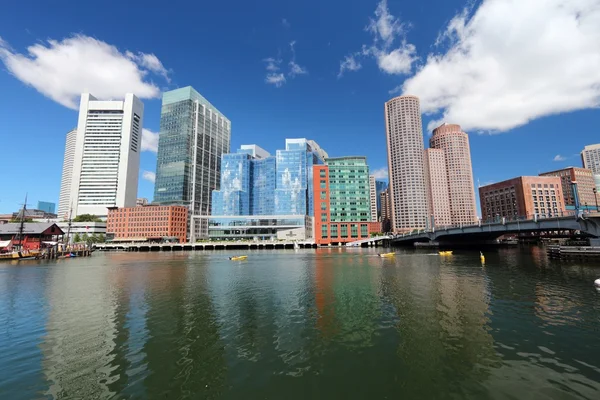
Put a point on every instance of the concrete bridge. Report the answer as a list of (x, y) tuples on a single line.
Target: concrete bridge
[(373, 241), (587, 224)]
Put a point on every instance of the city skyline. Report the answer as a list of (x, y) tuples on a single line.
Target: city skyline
[(290, 72)]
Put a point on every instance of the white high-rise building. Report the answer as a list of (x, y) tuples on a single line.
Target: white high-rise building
[(107, 154), (64, 199), (373, 197)]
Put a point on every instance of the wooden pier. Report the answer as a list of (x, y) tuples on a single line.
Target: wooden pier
[(201, 246), (569, 252)]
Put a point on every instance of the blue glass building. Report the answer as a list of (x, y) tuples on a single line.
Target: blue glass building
[(47, 207), (254, 183)]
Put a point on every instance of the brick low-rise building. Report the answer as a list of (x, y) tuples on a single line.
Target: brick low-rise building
[(522, 197), (585, 186), (151, 223)]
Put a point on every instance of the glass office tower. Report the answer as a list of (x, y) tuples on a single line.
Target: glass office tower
[(293, 195), (234, 196), (193, 136), (276, 187)]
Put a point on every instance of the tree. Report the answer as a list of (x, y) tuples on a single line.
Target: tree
[(101, 238), (18, 220), (86, 218), (85, 238), (94, 238), (76, 238)]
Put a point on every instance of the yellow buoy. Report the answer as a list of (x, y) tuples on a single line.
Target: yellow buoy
[(481, 257)]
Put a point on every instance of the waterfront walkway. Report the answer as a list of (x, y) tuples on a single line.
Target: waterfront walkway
[(200, 246)]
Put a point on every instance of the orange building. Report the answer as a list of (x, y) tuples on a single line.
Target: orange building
[(149, 222), (342, 216), (522, 197)]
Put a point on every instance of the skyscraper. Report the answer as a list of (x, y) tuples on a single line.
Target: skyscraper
[(47, 207), (436, 182), (380, 186), (193, 136), (590, 156), (386, 212), (457, 156), (106, 161), (373, 197), (64, 200), (405, 148)]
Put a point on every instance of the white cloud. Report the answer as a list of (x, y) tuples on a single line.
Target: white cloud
[(150, 62), (149, 140), (349, 64), (62, 70), (385, 29), (558, 157), (381, 173), (295, 69), (275, 79), (285, 23), (513, 61), (149, 176), (272, 64), (398, 61)]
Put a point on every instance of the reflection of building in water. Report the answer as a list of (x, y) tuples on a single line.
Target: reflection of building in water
[(555, 308), (264, 313), (442, 325), (346, 297), (80, 355), (183, 353)]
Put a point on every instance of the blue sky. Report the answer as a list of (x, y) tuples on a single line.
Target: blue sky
[(521, 76)]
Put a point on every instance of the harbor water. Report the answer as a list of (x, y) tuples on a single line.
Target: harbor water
[(297, 324)]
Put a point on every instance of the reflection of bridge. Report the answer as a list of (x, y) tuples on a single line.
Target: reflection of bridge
[(587, 224)]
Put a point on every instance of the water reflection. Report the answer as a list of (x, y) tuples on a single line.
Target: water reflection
[(331, 323)]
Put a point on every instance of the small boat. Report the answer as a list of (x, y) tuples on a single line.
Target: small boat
[(238, 258), (445, 253), (383, 255)]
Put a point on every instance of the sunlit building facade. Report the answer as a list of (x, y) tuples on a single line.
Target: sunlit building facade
[(343, 201), (194, 135), (404, 134), (269, 196)]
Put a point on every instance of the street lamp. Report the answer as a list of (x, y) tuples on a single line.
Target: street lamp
[(596, 197)]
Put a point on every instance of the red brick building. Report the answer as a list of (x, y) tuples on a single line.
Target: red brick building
[(329, 229), (585, 186), (522, 197), (151, 222)]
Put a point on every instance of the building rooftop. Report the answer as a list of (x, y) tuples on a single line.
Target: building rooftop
[(31, 228), (189, 93)]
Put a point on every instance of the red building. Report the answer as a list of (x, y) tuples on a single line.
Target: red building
[(34, 234), (329, 229), (149, 223)]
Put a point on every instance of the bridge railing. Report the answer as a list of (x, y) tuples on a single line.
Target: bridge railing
[(500, 220)]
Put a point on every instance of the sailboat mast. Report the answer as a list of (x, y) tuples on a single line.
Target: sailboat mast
[(22, 223)]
